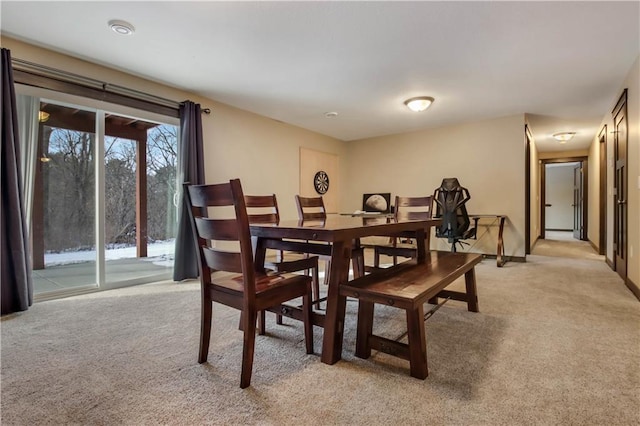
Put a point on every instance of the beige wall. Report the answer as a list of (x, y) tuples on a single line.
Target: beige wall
[(487, 157), (632, 83), (563, 154), (263, 153), (313, 161)]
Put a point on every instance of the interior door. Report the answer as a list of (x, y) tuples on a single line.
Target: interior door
[(620, 187), (577, 201)]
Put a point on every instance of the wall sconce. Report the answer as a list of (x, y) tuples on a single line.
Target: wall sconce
[(563, 137), (43, 116), (419, 103)]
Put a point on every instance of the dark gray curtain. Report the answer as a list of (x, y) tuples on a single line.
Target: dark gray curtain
[(16, 286), (190, 169)]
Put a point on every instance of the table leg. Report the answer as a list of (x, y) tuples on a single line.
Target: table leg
[(336, 304), (422, 244), (500, 260), (259, 254)]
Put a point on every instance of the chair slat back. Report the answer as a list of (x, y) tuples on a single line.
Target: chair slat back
[(310, 208), (262, 208), (217, 198), (413, 208)]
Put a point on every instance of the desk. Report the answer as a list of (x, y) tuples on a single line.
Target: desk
[(340, 232), (500, 257)]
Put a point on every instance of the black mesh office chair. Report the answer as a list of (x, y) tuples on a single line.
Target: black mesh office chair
[(450, 199)]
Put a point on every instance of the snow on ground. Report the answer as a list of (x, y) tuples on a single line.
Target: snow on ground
[(160, 253)]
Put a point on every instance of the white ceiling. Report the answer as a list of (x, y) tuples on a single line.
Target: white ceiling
[(562, 62)]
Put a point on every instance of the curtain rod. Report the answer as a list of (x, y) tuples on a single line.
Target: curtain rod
[(43, 70)]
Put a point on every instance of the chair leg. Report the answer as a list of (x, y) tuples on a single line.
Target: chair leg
[(261, 323), (376, 257), (308, 324), (315, 281), (278, 319), (205, 330), (249, 343)]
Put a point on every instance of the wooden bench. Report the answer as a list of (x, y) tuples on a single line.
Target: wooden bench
[(409, 286)]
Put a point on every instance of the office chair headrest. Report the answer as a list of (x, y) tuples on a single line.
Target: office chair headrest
[(450, 184)]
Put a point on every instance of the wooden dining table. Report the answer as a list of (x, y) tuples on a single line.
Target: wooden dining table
[(335, 236)]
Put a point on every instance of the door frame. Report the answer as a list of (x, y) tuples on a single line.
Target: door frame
[(620, 266), (578, 209), (585, 185), (602, 143), (527, 189)]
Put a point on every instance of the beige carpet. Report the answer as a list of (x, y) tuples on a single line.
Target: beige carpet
[(557, 342), (562, 244)]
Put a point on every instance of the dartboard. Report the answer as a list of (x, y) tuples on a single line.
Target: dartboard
[(321, 182)]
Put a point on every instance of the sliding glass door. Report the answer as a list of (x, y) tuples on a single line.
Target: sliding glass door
[(140, 187), (103, 213), (63, 215)]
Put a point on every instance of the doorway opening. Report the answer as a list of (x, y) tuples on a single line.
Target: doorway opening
[(563, 196)]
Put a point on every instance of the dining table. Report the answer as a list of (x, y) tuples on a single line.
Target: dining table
[(336, 236)]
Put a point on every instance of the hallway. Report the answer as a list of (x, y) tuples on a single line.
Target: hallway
[(562, 244)]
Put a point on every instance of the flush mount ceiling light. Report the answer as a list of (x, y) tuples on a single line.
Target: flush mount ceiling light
[(331, 114), (563, 137), (121, 27), (419, 103)]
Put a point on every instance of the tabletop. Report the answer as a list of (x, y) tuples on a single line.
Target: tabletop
[(338, 227)]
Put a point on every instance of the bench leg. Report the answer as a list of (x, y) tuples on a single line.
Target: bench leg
[(472, 293), (365, 328), (417, 343)]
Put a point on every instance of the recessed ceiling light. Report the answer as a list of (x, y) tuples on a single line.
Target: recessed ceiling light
[(121, 27), (331, 114), (419, 103), (563, 137)]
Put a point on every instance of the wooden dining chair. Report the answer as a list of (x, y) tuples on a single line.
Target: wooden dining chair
[(264, 209), (312, 208), (406, 208), (246, 289)]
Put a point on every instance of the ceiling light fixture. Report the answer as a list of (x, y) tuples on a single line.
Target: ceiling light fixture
[(331, 114), (121, 27), (419, 103), (563, 137)]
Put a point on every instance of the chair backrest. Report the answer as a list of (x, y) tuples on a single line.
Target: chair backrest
[(450, 199), (310, 208), (413, 208), (262, 208), (226, 227)]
